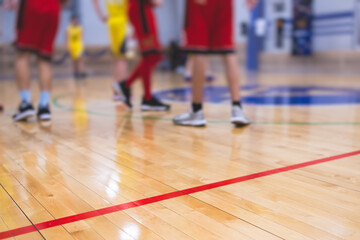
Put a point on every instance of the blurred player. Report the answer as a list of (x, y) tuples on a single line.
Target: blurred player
[(1, 107), (36, 28), (75, 46), (209, 29), (117, 20), (143, 19)]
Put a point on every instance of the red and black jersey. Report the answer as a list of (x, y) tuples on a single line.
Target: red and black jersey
[(144, 21), (37, 25), (209, 27)]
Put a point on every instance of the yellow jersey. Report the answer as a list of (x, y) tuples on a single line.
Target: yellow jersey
[(75, 40), (117, 8), (117, 25)]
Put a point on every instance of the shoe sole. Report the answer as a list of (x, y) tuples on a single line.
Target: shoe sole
[(240, 123), (237, 124), (198, 123), (44, 117), (157, 109), (24, 116)]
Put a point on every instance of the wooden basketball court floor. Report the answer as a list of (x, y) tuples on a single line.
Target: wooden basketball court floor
[(100, 172)]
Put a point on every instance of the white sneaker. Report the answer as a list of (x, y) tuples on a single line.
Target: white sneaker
[(238, 116), (191, 118)]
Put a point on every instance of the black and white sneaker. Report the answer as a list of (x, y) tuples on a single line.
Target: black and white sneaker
[(238, 116), (124, 92), (25, 111), (191, 118), (44, 113), (154, 105)]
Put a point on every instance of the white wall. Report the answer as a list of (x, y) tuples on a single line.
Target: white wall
[(95, 31), (241, 15), (343, 41), (7, 21), (271, 17), (329, 34)]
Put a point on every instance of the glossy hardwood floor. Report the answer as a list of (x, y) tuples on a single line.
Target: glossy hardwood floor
[(96, 155)]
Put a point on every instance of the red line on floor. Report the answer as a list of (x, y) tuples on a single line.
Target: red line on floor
[(159, 198)]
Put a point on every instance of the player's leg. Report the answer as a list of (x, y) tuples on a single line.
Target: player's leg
[(79, 62), (72, 50), (45, 79), (223, 43), (149, 102), (45, 74), (196, 32), (74, 62), (144, 71), (124, 87), (27, 35), (22, 70), (120, 64), (151, 53), (209, 76), (189, 66), (121, 92), (233, 78), (188, 74), (76, 51), (143, 20), (149, 62), (45, 50), (195, 116), (117, 33), (120, 67), (199, 77), (81, 66), (232, 75)]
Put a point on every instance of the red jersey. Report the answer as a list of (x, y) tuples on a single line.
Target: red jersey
[(209, 27), (144, 21), (37, 26)]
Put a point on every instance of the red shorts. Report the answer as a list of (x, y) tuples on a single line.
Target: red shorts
[(143, 20), (209, 27), (37, 25)]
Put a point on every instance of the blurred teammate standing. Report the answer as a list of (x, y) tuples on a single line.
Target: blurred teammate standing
[(36, 28), (75, 45), (117, 21), (143, 19), (209, 30)]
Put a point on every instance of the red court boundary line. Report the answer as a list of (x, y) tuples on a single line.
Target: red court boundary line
[(162, 197)]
